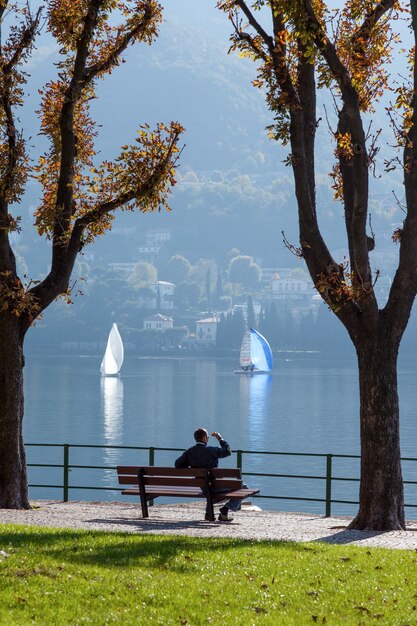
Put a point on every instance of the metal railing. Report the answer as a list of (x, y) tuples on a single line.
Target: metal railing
[(327, 478)]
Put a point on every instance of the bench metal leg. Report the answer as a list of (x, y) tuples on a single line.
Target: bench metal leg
[(142, 494), (209, 496), (144, 506), (210, 508)]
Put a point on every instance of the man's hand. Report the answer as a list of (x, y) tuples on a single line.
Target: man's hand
[(217, 435)]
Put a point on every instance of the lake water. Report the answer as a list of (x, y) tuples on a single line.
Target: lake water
[(308, 405)]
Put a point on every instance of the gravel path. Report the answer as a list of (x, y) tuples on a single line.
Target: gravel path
[(187, 519)]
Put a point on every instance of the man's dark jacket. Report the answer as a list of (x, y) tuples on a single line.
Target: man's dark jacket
[(202, 455)]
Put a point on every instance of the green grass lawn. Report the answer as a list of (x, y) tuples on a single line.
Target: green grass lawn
[(50, 576)]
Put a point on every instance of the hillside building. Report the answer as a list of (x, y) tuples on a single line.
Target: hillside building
[(158, 322), (293, 293), (206, 331), (164, 295)]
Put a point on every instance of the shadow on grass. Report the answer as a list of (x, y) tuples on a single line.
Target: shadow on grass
[(349, 536), (158, 524), (115, 549), (344, 537)]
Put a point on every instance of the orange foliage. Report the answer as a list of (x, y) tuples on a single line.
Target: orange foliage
[(15, 297)]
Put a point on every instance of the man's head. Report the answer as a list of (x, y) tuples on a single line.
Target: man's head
[(201, 435)]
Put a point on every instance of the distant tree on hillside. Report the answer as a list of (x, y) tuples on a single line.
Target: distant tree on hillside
[(80, 194), (219, 286), (178, 270), (251, 317), (143, 275), (230, 329), (271, 327), (224, 303), (187, 295), (306, 333), (199, 273), (244, 271), (208, 289)]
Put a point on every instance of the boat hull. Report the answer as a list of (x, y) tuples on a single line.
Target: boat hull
[(251, 373)]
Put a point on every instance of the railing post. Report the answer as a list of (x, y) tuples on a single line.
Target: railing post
[(328, 485), (66, 471), (239, 459), (151, 463)]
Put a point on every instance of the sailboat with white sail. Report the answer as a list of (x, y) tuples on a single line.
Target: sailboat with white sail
[(114, 354), (255, 354)]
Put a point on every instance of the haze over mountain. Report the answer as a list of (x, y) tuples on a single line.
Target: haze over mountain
[(234, 190)]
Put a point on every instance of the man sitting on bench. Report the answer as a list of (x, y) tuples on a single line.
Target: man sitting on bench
[(202, 455)]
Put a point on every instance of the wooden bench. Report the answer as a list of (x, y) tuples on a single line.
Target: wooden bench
[(151, 482)]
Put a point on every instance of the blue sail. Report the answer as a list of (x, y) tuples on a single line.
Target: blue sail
[(261, 353)]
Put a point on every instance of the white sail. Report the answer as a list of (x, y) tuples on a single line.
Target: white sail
[(113, 356), (245, 356)]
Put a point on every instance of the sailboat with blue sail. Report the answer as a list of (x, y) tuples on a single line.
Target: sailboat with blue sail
[(255, 354)]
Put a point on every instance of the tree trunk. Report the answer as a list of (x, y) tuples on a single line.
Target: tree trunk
[(381, 486), (13, 476)]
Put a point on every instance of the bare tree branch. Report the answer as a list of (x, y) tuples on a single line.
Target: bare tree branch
[(268, 40), (25, 42)]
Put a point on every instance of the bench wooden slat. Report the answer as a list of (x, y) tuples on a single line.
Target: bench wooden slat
[(150, 470), (240, 493), (160, 480), (194, 493), (152, 488), (170, 480), (226, 483), (166, 491), (128, 480), (228, 472)]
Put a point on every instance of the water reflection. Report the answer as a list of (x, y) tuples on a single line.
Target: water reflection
[(257, 391), (112, 411)]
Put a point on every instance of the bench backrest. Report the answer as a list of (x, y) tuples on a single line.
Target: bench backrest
[(167, 476), (226, 478), (218, 478)]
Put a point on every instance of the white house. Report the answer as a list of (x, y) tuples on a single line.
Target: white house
[(284, 287), (158, 322), (206, 330), (294, 293), (164, 292), (268, 273)]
